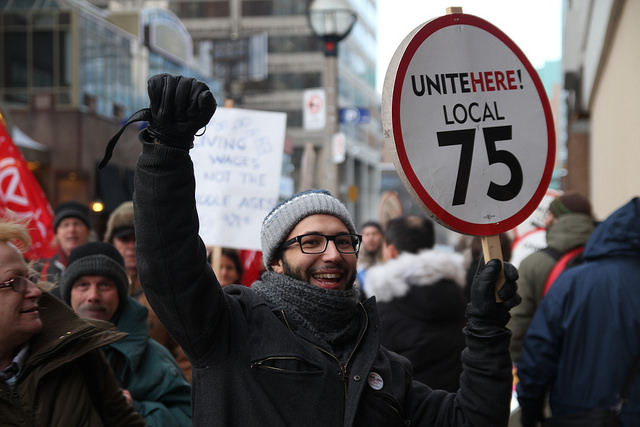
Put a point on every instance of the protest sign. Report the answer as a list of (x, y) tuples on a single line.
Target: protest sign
[(237, 164), (468, 125)]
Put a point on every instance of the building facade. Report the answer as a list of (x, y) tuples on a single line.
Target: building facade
[(71, 74), (600, 63), (267, 56)]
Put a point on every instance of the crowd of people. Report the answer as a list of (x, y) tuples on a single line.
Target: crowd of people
[(355, 326)]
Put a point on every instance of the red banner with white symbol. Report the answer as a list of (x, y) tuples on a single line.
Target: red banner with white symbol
[(21, 194)]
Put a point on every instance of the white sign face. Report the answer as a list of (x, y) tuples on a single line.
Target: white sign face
[(237, 164), (531, 235), (536, 219), (338, 147), (527, 244), (468, 125), (314, 109)]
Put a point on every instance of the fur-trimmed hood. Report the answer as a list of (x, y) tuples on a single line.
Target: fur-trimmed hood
[(393, 278)]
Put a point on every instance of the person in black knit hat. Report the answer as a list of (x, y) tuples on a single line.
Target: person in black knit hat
[(96, 286), (72, 228)]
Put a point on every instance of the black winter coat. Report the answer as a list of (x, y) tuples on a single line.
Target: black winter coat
[(422, 313)]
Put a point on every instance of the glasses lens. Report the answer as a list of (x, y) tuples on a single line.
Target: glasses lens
[(313, 243), (347, 243), (19, 284)]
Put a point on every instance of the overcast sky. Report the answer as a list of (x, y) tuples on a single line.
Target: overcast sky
[(535, 26)]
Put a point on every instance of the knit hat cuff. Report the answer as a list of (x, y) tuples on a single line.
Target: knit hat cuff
[(71, 210), (570, 202), (558, 208)]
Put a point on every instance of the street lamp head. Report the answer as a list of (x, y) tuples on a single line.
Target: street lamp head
[(332, 21)]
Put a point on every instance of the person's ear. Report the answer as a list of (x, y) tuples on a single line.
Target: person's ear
[(389, 251), (393, 251), (276, 266)]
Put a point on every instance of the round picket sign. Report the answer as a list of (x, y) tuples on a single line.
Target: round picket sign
[(469, 126)]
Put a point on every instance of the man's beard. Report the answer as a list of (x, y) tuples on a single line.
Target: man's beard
[(301, 275)]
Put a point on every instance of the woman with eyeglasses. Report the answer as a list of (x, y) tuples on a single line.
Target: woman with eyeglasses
[(51, 370)]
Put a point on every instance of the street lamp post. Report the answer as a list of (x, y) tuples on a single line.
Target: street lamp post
[(331, 21)]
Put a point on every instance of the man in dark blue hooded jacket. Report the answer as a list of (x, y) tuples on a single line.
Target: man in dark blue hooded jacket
[(584, 336)]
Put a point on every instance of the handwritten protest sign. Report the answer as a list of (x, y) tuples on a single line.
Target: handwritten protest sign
[(237, 164)]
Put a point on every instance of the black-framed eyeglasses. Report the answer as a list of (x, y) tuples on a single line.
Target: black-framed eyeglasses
[(315, 243), (18, 283)]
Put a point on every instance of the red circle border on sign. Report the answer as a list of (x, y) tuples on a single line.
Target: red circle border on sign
[(445, 217)]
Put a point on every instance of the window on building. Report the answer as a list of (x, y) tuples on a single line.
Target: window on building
[(200, 9), (273, 7), (293, 44), (36, 53), (15, 60)]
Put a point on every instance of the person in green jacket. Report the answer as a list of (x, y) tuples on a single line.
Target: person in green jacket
[(569, 223), (95, 284), (46, 348)]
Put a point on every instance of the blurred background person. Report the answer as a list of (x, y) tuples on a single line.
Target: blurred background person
[(52, 372), (569, 223), (583, 340), (120, 233), (230, 270), (421, 302), (370, 252), (72, 228)]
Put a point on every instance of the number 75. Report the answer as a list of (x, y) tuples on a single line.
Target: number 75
[(465, 138)]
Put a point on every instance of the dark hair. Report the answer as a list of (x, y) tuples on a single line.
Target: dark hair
[(234, 255), (410, 233), (375, 224)]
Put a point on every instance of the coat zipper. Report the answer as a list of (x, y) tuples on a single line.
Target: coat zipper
[(343, 372)]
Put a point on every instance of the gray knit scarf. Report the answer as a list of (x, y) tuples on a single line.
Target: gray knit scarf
[(329, 315)]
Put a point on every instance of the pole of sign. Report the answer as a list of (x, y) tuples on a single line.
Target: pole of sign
[(491, 248), (216, 255)]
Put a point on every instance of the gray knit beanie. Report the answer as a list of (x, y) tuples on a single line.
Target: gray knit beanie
[(285, 216), (95, 258)]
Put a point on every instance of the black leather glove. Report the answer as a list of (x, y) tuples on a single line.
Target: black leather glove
[(180, 106), (485, 316)]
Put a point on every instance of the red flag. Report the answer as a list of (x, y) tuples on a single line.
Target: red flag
[(252, 265), (21, 194)]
